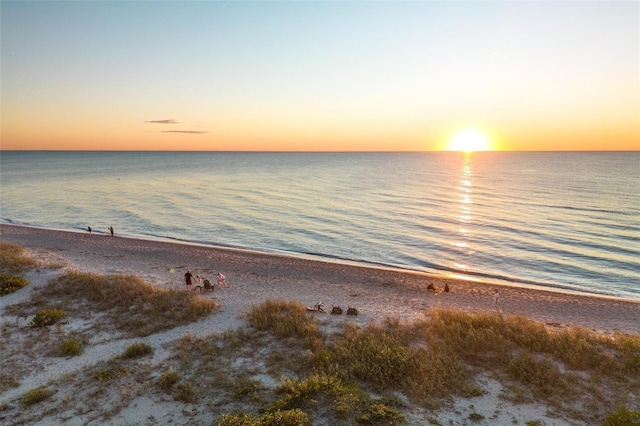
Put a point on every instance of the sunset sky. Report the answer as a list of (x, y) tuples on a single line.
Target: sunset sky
[(319, 76)]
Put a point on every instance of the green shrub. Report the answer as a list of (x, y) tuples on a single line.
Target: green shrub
[(36, 395), (167, 380), (9, 284), (243, 419), (623, 417), (295, 417), (71, 347), (298, 393), (380, 413), (137, 350), (48, 317)]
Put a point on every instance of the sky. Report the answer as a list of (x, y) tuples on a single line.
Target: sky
[(319, 76)]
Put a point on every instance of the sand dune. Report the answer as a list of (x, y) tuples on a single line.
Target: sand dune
[(255, 277)]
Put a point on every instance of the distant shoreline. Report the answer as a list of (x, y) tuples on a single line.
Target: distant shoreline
[(256, 276)]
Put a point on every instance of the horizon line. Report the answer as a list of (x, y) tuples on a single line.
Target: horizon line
[(318, 151)]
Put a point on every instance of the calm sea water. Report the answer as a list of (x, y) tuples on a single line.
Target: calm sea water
[(569, 221)]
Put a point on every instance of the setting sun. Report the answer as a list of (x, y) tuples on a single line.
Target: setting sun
[(469, 140)]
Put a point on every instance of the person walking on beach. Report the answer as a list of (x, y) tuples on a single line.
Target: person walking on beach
[(89, 229), (111, 230), (199, 284), (496, 300), (222, 281), (187, 279)]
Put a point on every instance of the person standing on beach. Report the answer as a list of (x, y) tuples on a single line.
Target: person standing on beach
[(111, 230), (222, 281), (187, 279), (89, 229), (199, 284), (496, 299)]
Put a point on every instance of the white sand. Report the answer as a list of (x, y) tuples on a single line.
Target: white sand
[(255, 277)]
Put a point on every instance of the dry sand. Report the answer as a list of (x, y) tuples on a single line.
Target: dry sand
[(255, 277)]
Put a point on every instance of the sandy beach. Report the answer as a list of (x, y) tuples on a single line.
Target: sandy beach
[(256, 277)]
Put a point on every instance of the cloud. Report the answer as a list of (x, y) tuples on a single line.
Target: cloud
[(193, 132), (169, 121)]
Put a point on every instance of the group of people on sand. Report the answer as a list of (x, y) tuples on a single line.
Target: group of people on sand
[(203, 284), (110, 229)]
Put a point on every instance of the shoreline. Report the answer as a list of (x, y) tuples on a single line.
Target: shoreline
[(256, 276), (479, 278)]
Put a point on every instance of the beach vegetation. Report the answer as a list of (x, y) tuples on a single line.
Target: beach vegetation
[(377, 373), (185, 392), (109, 373), (475, 417), (245, 388), (128, 303), (48, 317), (167, 380), (35, 396), (7, 380), (71, 347), (623, 416), (380, 413), (11, 283), (13, 259), (137, 350), (284, 319), (294, 417), (386, 357)]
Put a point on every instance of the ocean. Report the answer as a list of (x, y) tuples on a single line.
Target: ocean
[(568, 221)]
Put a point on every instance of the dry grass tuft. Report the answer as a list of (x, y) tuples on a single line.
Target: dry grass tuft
[(283, 319), (13, 259)]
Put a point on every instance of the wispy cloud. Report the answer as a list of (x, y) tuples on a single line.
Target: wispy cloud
[(169, 121), (193, 132)]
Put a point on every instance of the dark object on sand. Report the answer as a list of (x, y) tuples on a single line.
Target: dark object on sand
[(352, 311), (446, 288), (336, 310), (207, 285), (431, 287)]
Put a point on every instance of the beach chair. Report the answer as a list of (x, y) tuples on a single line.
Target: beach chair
[(207, 285), (318, 307)]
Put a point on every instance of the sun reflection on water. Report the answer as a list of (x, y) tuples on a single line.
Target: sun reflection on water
[(465, 213)]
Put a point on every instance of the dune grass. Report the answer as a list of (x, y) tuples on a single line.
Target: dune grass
[(13, 259), (131, 305), (582, 375), (35, 396)]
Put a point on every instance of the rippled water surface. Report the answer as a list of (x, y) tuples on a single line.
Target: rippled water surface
[(563, 220)]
